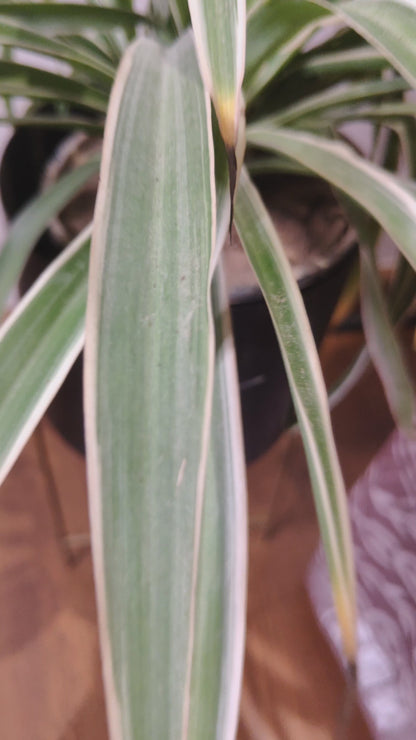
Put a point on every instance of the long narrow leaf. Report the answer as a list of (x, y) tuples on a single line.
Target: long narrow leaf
[(68, 17), (149, 376), (38, 344), (94, 127), (23, 80), (32, 222), (385, 113), (282, 295), (14, 35), (275, 32), (221, 605), (180, 13), (381, 341), (382, 344), (390, 201), (400, 296), (337, 95), (219, 27), (389, 25), (362, 60)]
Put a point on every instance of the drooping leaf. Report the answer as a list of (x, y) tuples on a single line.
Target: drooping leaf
[(32, 222), (387, 114), (350, 93), (299, 353), (400, 296), (275, 32), (22, 80), (386, 197), (389, 25), (13, 34), (358, 60), (68, 17), (58, 121), (38, 344), (382, 343)]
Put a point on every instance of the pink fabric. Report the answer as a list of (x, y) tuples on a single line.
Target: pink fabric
[(383, 514)]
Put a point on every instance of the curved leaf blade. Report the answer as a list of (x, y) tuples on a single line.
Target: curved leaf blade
[(283, 298), (221, 605), (388, 25), (13, 34), (349, 94), (275, 32), (32, 222), (386, 197), (148, 387), (38, 345), (26, 81), (65, 18), (219, 27), (382, 343)]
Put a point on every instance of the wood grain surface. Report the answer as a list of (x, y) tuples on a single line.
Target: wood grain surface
[(50, 683)]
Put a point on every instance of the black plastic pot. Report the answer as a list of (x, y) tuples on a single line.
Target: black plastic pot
[(265, 396)]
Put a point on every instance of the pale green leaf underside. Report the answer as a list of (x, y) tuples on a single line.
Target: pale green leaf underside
[(38, 344), (390, 201), (149, 376), (32, 222), (282, 295), (180, 12)]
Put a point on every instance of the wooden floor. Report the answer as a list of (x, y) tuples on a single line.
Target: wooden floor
[(50, 685)]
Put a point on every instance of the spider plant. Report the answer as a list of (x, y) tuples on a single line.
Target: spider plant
[(192, 99)]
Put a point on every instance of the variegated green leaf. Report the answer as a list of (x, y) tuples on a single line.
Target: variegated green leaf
[(360, 60), (171, 637), (38, 344), (275, 32), (22, 80), (221, 604), (382, 343), (180, 13), (219, 27), (13, 34), (299, 353), (53, 17), (92, 126), (400, 296), (389, 25), (351, 93), (386, 197), (32, 222)]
